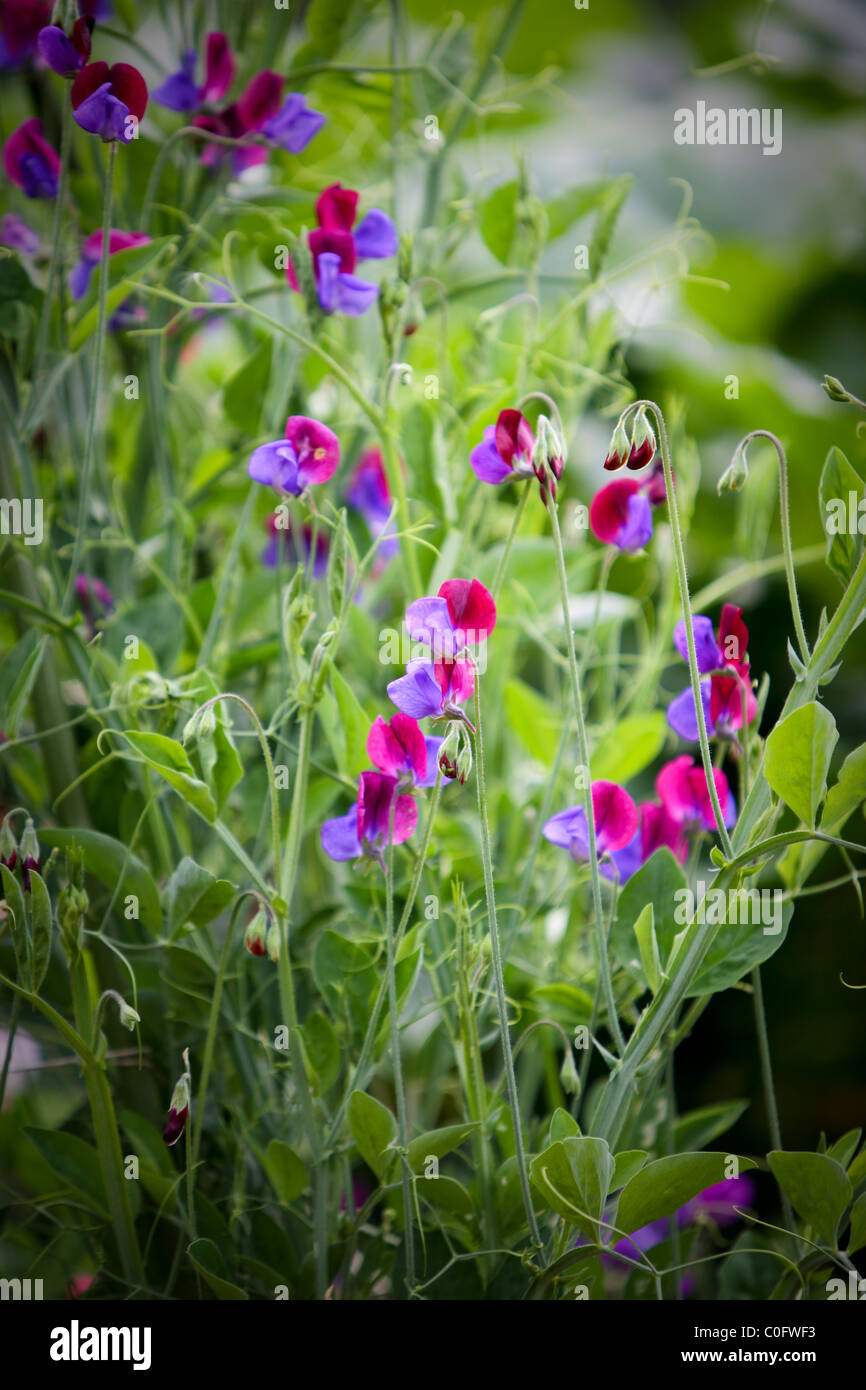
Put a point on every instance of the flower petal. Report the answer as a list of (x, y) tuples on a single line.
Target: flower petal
[(375, 236), (706, 647), (615, 816), (486, 462), (514, 437), (471, 608), (179, 91), (260, 100), (336, 208), (418, 692), (683, 717), (219, 68), (340, 836)]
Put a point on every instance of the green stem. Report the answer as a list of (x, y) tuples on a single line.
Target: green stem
[(583, 760), (498, 972), (213, 1024), (397, 1063), (48, 301), (87, 469)]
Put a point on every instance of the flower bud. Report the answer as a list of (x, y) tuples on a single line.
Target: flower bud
[(29, 846), (449, 750), (619, 450), (129, 1016), (568, 1077), (255, 939), (201, 726), (735, 475), (273, 941), (8, 846), (835, 390), (643, 442), (179, 1107)]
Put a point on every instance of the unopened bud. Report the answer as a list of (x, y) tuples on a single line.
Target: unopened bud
[(735, 475), (129, 1016), (272, 941), (29, 847), (568, 1076), (619, 450), (835, 390), (256, 935), (643, 442), (8, 845)]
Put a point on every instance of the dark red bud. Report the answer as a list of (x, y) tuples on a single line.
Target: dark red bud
[(175, 1125), (642, 455)]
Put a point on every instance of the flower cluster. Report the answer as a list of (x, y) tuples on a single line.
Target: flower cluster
[(635, 452), (726, 691), (510, 449), (336, 245), (460, 615)]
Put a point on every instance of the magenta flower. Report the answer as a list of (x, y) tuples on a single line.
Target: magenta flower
[(336, 246), (30, 162), (109, 101), (722, 695), (462, 614), (66, 54), (505, 450), (20, 22), (363, 831), (175, 1125), (620, 514), (434, 690), (309, 454), (400, 749), (616, 821), (658, 829), (260, 108), (297, 543), (15, 232), (685, 796), (180, 92), (91, 255), (368, 493)]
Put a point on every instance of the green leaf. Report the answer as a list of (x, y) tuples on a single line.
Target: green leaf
[(40, 930), (18, 672), (286, 1171), (644, 930), (209, 1263), (436, 1143), (664, 1186), (845, 1148), (354, 726), (169, 758), (569, 207), (499, 222), (244, 392), (192, 894), (323, 1049), (17, 924), (742, 944), (373, 1130), (857, 1233), (574, 1177), (817, 1187), (847, 793), (562, 1125), (629, 747), (628, 1164), (838, 482), (797, 759), (73, 1160), (657, 881), (337, 565), (535, 720), (700, 1127), (114, 865)]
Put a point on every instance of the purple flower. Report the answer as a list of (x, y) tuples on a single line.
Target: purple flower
[(505, 450), (30, 162), (15, 232), (462, 614), (620, 514), (433, 690), (180, 92), (109, 101), (91, 255), (616, 821), (20, 22), (722, 695), (364, 830), (309, 454), (66, 54), (294, 125), (368, 493), (336, 248)]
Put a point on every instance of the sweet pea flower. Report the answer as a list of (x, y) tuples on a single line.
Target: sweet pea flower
[(659, 829), (91, 255), (309, 454), (717, 1204), (368, 493), (685, 796), (400, 749), (621, 515), (20, 23), (505, 449), (462, 614), (180, 92), (616, 819), (364, 830), (260, 109), (297, 543), (66, 54), (30, 162), (15, 232), (294, 125), (109, 101), (336, 245), (724, 692), (434, 690)]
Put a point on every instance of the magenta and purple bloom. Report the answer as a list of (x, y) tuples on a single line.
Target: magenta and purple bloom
[(91, 255), (109, 101), (433, 690), (685, 795), (260, 109), (725, 697), (462, 614), (620, 514), (400, 749), (309, 454), (66, 53), (30, 162), (616, 821), (297, 544), (336, 246), (368, 493), (364, 830), (15, 233), (181, 92), (505, 450)]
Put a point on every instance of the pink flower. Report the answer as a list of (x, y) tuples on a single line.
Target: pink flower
[(616, 821), (91, 255), (400, 749), (462, 614), (685, 796), (30, 162), (104, 98), (364, 830), (336, 246), (309, 454)]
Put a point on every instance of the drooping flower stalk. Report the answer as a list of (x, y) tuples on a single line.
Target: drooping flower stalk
[(397, 1063)]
